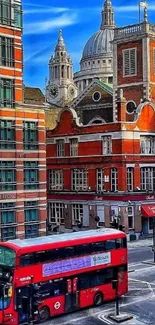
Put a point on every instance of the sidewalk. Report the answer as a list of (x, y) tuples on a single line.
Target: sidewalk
[(140, 243)]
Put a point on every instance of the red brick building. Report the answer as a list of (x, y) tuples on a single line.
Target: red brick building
[(22, 138), (107, 168)]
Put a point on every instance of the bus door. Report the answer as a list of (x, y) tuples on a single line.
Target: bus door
[(72, 295), (23, 304)]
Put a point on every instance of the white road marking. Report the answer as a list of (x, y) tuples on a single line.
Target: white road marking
[(104, 319)]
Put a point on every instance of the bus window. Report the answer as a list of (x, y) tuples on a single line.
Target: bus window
[(110, 275), (84, 282), (98, 247), (82, 249), (98, 278), (118, 242), (124, 242), (68, 252), (26, 260), (110, 244)]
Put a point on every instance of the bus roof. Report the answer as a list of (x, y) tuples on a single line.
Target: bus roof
[(64, 237)]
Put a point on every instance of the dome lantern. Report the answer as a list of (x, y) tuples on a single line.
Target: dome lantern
[(107, 15)]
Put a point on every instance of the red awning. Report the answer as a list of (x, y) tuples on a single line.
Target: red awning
[(148, 210)]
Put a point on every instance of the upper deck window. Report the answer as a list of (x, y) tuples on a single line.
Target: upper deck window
[(7, 256)]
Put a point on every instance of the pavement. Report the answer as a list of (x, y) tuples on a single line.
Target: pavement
[(141, 243)]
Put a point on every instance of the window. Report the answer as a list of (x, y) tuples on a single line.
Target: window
[(7, 134), (147, 145), (79, 180), (31, 219), (130, 178), (7, 176), (56, 213), (6, 51), (73, 147), (77, 214), (130, 107), (55, 179), (60, 148), (30, 135), (6, 93), (107, 145), (8, 221), (31, 175), (130, 62), (110, 244), (131, 217), (5, 12), (148, 178), (100, 179), (72, 251), (114, 179), (17, 16), (110, 80)]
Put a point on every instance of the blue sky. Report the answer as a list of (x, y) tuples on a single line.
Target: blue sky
[(78, 20)]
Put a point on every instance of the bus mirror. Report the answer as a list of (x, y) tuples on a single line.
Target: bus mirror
[(114, 284)]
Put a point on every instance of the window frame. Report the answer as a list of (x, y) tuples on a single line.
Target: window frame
[(107, 145), (147, 178), (7, 176), (55, 180), (125, 51), (131, 216), (6, 51), (56, 212), (31, 175), (77, 214), (130, 178), (147, 145), (7, 93), (60, 144), (114, 179), (7, 134), (79, 179), (100, 179), (73, 147), (30, 135)]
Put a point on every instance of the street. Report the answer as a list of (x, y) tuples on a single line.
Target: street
[(139, 301)]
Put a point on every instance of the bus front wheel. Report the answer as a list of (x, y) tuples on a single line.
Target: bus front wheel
[(44, 314), (98, 299)]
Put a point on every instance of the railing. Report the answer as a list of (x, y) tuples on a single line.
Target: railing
[(136, 29)]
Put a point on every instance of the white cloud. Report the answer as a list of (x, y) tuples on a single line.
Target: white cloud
[(41, 27), (39, 10), (131, 8)]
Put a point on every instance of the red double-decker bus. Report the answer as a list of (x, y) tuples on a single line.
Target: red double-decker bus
[(52, 275)]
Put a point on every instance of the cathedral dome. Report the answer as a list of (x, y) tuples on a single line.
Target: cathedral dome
[(99, 44)]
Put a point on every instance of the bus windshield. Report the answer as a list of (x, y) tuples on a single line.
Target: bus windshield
[(7, 256)]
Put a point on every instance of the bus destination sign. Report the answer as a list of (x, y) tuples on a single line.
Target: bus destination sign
[(74, 264)]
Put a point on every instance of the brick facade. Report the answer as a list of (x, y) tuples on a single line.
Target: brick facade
[(22, 140), (126, 152)]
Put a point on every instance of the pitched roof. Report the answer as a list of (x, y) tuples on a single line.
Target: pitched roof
[(106, 86), (33, 95)]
